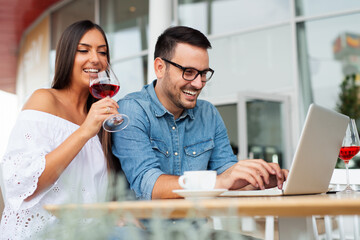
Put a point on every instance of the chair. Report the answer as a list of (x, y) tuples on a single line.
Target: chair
[(328, 227), (257, 227), (341, 227)]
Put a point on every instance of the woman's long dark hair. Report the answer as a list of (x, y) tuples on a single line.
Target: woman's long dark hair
[(64, 64)]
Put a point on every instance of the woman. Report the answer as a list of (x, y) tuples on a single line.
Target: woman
[(54, 153)]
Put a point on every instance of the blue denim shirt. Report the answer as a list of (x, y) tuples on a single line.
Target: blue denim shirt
[(155, 143)]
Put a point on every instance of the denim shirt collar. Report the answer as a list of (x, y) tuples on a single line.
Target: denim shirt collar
[(159, 109)]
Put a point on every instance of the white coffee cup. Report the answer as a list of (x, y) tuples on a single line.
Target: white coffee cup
[(198, 180)]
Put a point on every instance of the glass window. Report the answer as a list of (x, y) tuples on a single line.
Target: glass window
[(229, 115), (131, 74), (330, 57), (221, 16), (62, 18), (330, 53), (194, 13), (126, 26), (70, 13), (265, 130), (264, 127), (314, 7), (232, 15), (257, 61)]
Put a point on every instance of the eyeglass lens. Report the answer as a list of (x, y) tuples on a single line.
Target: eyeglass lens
[(190, 74)]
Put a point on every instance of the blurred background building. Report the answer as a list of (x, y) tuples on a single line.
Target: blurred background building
[(272, 58)]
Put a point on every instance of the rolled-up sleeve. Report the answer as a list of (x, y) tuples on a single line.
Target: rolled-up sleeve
[(132, 146)]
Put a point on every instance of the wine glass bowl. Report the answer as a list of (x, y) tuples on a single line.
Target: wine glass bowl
[(347, 153), (105, 84), (350, 147), (101, 88)]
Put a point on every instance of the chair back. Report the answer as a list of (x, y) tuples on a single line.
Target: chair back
[(338, 179), (348, 226)]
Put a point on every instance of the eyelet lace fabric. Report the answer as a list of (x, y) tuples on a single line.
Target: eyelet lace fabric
[(35, 134)]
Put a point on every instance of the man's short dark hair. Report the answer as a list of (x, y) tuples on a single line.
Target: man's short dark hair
[(168, 40)]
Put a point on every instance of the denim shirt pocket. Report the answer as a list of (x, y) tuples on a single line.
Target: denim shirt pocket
[(160, 147), (198, 154)]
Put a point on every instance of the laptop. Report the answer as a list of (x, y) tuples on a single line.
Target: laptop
[(315, 156)]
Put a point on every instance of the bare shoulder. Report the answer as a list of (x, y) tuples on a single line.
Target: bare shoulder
[(42, 100)]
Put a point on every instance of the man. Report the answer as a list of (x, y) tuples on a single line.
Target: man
[(171, 131)]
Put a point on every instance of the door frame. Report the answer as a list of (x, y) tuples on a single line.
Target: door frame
[(243, 98)]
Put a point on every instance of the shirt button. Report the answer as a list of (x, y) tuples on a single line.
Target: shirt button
[(194, 153), (176, 153), (173, 128), (167, 152)]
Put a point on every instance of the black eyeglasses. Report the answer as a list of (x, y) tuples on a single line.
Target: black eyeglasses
[(190, 73)]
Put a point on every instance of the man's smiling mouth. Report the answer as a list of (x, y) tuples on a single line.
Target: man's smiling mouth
[(190, 93)]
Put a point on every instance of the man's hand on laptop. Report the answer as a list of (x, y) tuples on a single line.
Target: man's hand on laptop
[(252, 174)]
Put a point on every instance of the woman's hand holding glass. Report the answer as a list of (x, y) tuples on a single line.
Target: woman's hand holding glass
[(98, 113), (105, 84)]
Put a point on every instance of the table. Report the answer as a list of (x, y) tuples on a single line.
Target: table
[(294, 212)]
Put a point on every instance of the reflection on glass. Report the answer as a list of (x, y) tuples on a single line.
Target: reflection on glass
[(329, 54), (257, 61), (311, 7), (221, 16), (70, 13), (126, 26), (265, 130), (132, 75), (232, 15), (194, 14), (229, 115), (61, 19)]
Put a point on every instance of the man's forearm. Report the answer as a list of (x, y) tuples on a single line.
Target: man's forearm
[(164, 185)]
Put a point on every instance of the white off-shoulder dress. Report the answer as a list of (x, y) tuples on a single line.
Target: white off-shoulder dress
[(35, 134)]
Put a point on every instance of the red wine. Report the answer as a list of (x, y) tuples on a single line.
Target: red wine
[(101, 90), (347, 153)]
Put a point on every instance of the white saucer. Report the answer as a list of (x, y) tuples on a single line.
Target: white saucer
[(192, 194)]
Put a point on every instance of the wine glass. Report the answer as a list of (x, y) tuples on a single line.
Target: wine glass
[(106, 84), (350, 147)]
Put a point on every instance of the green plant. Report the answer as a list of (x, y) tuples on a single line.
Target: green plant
[(349, 103)]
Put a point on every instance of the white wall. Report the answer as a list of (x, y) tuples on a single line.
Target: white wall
[(9, 109)]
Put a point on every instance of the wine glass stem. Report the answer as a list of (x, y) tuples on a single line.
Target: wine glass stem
[(347, 175)]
